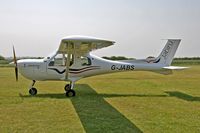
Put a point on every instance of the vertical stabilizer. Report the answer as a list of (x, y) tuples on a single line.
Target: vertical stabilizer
[(168, 52)]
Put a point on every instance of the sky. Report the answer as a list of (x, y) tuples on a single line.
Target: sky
[(139, 27)]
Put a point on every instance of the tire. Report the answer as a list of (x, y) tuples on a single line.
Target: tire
[(70, 93), (67, 87), (33, 91)]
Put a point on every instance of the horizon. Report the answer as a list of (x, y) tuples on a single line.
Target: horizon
[(20, 57)]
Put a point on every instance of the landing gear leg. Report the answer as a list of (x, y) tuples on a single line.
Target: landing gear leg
[(69, 90), (33, 91)]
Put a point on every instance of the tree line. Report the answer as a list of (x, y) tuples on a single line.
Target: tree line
[(125, 58), (2, 58)]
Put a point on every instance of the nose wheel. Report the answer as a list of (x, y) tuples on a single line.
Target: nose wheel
[(69, 90), (33, 91)]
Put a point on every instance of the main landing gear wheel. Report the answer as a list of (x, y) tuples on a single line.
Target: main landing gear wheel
[(70, 93), (69, 90), (33, 91)]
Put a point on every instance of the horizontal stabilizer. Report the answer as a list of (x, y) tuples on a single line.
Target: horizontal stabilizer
[(175, 68), (163, 71), (169, 70)]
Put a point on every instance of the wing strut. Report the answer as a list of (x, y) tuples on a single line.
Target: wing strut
[(68, 62)]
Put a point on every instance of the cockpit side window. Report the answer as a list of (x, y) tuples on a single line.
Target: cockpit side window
[(86, 61)]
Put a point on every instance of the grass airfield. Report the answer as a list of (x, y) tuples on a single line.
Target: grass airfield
[(121, 102)]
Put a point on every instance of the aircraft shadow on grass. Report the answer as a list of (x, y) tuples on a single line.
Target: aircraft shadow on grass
[(97, 115), (182, 96)]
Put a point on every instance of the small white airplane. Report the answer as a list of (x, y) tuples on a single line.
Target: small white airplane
[(73, 61)]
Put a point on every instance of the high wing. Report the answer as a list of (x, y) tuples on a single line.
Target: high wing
[(82, 44), (77, 46)]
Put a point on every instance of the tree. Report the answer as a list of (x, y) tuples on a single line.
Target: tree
[(2, 58), (117, 58)]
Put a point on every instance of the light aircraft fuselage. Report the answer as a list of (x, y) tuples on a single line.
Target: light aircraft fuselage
[(73, 61)]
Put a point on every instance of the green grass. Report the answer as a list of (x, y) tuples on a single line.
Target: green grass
[(121, 102), (4, 62)]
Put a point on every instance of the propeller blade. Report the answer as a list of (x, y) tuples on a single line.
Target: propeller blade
[(16, 73), (15, 62)]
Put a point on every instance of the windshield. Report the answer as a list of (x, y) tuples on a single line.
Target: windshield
[(50, 55)]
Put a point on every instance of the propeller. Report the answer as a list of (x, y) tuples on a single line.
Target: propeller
[(15, 62)]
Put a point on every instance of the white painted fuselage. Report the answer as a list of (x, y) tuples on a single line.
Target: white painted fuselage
[(39, 69)]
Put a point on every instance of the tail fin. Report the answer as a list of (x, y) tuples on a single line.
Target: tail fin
[(168, 52)]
